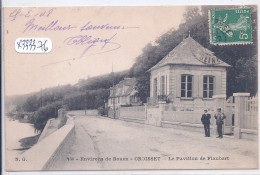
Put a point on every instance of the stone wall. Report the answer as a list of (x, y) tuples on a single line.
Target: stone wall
[(54, 124), (240, 111), (153, 114), (88, 112), (50, 149), (134, 114)]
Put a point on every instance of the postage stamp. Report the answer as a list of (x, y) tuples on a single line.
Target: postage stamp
[(230, 26)]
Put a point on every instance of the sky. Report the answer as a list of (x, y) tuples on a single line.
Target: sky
[(71, 59)]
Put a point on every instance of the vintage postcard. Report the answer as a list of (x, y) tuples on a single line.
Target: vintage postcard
[(131, 88)]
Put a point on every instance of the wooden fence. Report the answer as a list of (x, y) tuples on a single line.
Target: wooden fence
[(250, 120)]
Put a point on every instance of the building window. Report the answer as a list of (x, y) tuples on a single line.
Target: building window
[(155, 87), (208, 86), (118, 99), (186, 86), (162, 85)]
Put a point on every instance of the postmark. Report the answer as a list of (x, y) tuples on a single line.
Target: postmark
[(230, 26)]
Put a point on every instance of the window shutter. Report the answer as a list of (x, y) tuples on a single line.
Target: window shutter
[(218, 85), (200, 86), (195, 89), (178, 85)]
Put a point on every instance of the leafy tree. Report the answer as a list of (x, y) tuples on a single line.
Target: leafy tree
[(31, 104), (143, 86), (246, 78), (43, 114)]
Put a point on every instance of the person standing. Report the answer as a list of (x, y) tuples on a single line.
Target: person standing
[(219, 116), (205, 119)]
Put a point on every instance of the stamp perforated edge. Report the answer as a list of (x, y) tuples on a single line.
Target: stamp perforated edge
[(231, 43)]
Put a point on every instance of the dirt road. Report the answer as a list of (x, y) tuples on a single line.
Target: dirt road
[(108, 144)]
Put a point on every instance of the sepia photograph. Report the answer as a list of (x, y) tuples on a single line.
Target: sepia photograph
[(130, 88)]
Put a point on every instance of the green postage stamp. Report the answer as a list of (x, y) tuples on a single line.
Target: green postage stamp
[(230, 26)]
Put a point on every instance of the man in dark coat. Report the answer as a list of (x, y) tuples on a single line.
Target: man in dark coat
[(205, 119), (219, 116)]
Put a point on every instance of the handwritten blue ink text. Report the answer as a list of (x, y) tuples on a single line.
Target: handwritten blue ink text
[(52, 26)]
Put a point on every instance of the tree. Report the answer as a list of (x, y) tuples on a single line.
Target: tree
[(43, 114), (31, 104), (246, 78), (191, 13), (143, 87)]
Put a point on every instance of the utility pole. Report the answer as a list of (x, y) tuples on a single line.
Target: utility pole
[(113, 96), (85, 99), (55, 108), (41, 97)]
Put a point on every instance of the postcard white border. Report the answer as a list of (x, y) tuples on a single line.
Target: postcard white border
[(46, 3)]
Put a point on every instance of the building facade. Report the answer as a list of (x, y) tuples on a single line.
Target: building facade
[(188, 72), (124, 94)]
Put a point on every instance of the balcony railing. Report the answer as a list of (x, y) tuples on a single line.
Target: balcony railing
[(152, 101), (162, 98)]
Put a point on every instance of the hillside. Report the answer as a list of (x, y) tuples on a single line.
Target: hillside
[(93, 92)]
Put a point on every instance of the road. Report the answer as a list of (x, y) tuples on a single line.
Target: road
[(108, 144)]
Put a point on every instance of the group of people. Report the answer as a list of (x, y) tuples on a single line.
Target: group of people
[(205, 119)]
